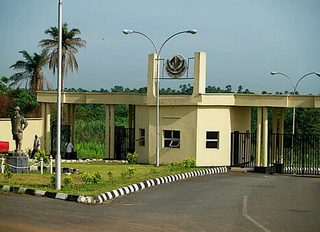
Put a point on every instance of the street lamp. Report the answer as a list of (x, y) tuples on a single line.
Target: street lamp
[(294, 93), (158, 51)]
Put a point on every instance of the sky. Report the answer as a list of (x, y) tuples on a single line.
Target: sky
[(244, 40)]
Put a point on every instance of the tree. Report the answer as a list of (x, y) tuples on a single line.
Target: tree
[(70, 45), (3, 84), (31, 71)]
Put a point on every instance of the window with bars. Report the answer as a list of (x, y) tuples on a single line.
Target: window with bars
[(142, 134), (171, 139), (212, 139)]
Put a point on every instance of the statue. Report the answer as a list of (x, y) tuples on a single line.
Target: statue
[(18, 125)]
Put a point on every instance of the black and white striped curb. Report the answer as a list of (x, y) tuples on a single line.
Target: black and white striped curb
[(149, 183), (118, 192), (40, 193)]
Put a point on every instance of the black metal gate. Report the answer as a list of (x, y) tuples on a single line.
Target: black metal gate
[(124, 142), (64, 138), (243, 149), (295, 154)]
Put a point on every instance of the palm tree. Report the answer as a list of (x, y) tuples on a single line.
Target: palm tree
[(31, 71), (70, 45)]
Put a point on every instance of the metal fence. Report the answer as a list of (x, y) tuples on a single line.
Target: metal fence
[(243, 149), (295, 154), (124, 142)]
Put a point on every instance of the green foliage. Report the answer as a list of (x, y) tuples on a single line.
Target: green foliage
[(68, 181), (3, 84), (180, 166), (53, 180), (189, 163), (132, 158), (110, 175), (94, 178), (7, 172), (86, 178), (128, 172), (42, 154)]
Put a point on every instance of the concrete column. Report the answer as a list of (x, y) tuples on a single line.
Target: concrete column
[(73, 125), (107, 134), (274, 132), (281, 131), (258, 140), (152, 74), (43, 116), (69, 106), (265, 137), (112, 128), (47, 144), (199, 82), (131, 116)]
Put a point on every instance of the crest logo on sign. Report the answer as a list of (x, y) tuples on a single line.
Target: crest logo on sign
[(176, 65)]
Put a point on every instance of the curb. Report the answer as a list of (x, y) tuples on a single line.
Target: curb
[(115, 193)]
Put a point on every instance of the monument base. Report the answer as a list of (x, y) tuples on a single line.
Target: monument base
[(19, 164)]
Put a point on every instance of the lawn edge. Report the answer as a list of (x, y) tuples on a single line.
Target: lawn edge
[(103, 197)]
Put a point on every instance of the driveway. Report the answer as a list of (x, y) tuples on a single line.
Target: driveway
[(220, 202)]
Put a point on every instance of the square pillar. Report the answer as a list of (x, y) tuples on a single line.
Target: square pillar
[(265, 137), (258, 140)]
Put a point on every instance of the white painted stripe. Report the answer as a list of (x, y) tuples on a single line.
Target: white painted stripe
[(131, 188), (109, 195), (245, 214), (115, 192), (104, 196), (121, 191), (142, 185), (40, 192), (127, 190), (152, 182), (61, 196), (136, 187)]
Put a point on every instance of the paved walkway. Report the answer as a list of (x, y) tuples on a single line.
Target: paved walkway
[(222, 202)]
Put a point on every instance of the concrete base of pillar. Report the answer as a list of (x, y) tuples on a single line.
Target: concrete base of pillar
[(265, 170)]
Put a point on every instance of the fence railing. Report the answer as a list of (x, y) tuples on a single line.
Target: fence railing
[(243, 149), (31, 167)]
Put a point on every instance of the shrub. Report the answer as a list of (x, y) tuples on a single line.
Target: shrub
[(128, 173), (110, 175), (189, 163), (53, 180), (68, 181), (7, 172), (132, 158), (94, 178), (42, 153)]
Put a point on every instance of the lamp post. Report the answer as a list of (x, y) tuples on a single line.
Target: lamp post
[(294, 108), (158, 51), (58, 155)]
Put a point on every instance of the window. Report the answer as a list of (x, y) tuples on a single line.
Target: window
[(172, 139), (142, 133), (212, 139)]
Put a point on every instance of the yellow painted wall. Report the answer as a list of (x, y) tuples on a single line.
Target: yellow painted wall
[(35, 126), (240, 119), (142, 122), (170, 120), (213, 119)]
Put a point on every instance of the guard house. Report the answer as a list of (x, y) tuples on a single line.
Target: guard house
[(197, 126)]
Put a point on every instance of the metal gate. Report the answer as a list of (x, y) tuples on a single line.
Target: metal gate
[(64, 138), (295, 154), (243, 149), (124, 142)]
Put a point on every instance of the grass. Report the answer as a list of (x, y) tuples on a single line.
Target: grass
[(141, 173)]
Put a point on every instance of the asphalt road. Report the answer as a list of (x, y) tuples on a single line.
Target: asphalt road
[(221, 202)]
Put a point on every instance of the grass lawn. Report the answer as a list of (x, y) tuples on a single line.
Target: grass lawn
[(119, 172)]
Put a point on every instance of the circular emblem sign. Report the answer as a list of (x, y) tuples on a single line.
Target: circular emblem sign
[(176, 65)]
